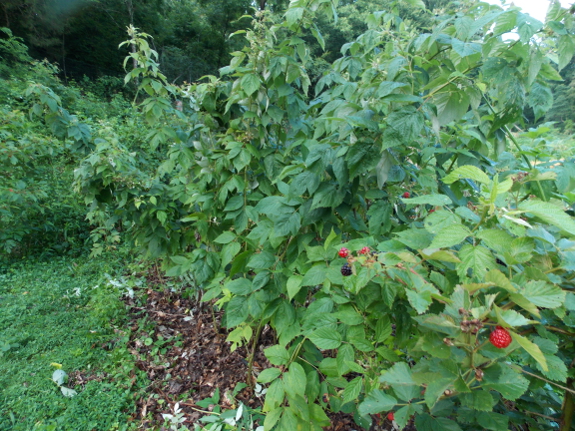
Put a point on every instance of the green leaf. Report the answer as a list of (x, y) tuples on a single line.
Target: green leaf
[(269, 375), (543, 294), (420, 301), (432, 199), (510, 318), (315, 275), (550, 214), (425, 422), (508, 382), (345, 354), (272, 418), (263, 260), (450, 236), (492, 421), (406, 123), (439, 220), (376, 401), (557, 369), (499, 279), (414, 238), (465, 49), (566, 49), (277, 355), (477, 258), (295, 380), (240, 286), (250, 83), (327, 196), (399, 374), (236, 311), (435, 389), (326, 338), (478, 400), (318, 416), (531, 348), (294, 285), (352, 390), (469, 172)]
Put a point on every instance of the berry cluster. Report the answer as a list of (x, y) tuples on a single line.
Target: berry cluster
[(346, 269)]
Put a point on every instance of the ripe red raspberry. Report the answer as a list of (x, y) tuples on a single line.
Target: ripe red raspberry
[(364, 250), (343, 252), (406, 195), (390, 416), (432, 210), (500, 338)]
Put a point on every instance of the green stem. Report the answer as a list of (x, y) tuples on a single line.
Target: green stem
[(250, 373), (567, 409)]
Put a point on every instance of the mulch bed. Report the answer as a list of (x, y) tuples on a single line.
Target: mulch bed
[(191, 368)]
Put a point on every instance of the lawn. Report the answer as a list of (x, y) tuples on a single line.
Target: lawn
[(63, 313)]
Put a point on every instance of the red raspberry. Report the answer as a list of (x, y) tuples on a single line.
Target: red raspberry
[(406, 195), (390, 416), (500, 338), (432, 210), (343, 252), (364, 250)]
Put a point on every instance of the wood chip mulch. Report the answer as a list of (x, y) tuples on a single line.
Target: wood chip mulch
[(195, 361)]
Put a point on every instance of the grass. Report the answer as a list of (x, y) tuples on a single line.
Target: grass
[(64, 312)]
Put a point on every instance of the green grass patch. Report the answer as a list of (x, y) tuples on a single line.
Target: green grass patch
[(64, 312)]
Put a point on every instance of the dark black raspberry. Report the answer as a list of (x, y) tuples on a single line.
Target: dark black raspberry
[(346, 270)]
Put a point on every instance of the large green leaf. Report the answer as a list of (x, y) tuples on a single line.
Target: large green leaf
[(477, 258), (531, 348), (376, 401), (250, 83), (326, 338), (501, 378), (543, 294), (450, 236), (550, 214), (469, 172)]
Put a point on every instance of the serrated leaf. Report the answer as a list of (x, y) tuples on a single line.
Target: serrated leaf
[(293, 285), (477, 258), (478, 400), (435, 389), (225, 238), (510, 318), (352, 390), (240, 286), (326, 338), (531, 348), (499, 279), (295, 380), (557, 369), (399, 374), (376, 401), (433, 199), (508, 382), (550, 214), (269, 375), (250, 83), (543, 294), (493, 421), (315, 275), (467, 172), (450, 236), (277, 355), (425, 422)]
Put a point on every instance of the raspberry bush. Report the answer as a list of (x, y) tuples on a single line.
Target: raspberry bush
[(253, 190)]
